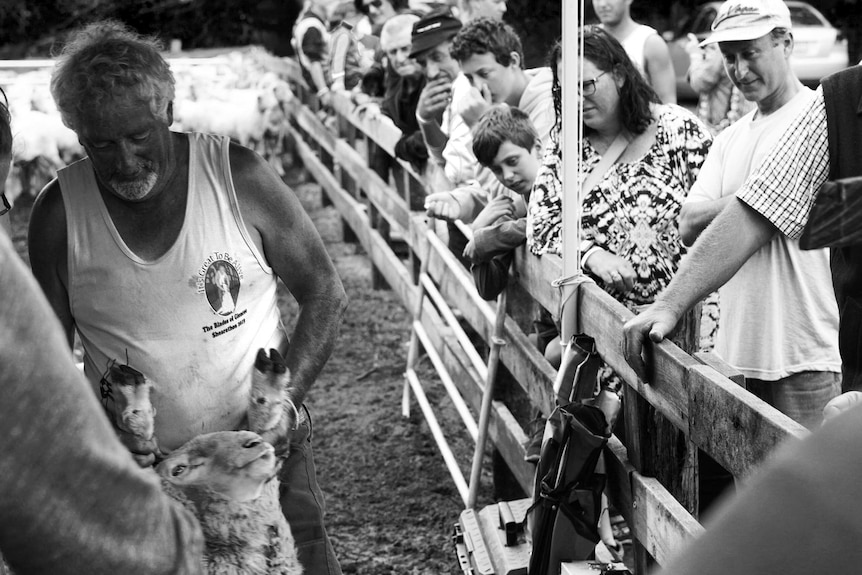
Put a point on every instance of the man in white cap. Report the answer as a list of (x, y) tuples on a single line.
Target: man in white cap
[(779, 318), (756, 334)]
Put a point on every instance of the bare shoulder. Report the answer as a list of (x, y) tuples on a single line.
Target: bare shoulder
[(655, 46), (47, 228)]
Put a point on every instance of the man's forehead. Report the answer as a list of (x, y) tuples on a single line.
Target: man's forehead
[(478, 61), (741, 45)]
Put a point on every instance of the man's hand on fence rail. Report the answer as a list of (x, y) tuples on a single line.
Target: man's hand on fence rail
[(655, 322)]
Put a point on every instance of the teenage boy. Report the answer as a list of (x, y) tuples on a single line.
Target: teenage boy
[(490, 55), (504, 141)]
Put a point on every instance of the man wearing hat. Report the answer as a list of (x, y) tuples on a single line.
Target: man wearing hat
[(431, 39), (779, 318)]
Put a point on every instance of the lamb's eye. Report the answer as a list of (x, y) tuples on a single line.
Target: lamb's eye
[(261, 400), (178, 470)]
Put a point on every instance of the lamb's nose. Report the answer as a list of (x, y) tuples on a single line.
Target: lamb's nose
[(253, 442)]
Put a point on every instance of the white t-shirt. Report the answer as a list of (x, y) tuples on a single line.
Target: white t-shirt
[(778, 313)]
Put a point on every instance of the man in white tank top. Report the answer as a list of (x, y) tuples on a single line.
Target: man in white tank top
[(647, 50), (162, 250)]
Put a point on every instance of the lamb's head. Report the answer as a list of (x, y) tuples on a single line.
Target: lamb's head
[(268, 386), (130, 389), (233, 464)]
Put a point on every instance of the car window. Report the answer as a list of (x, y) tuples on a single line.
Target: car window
[(802, 16), (703, 22)]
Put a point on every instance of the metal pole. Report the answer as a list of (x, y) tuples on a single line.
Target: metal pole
[(497, 342)]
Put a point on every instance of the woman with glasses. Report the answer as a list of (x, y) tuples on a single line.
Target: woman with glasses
[(630, 238)]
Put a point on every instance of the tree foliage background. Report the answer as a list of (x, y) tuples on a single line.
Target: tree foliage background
[(38, 29)]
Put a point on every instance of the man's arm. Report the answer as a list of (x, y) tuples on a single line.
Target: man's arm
[(74, 500), (46, 242), (659, 68), (290, 243), (733, 237), (695, 216)]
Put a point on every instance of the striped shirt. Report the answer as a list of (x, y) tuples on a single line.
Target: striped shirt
[(783, 188)]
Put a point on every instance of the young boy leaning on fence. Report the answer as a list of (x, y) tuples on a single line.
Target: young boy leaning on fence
[(504, 141)]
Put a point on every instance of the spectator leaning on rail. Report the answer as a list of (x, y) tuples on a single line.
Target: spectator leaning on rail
[(490, 56), (351, 52), (648, 50), (73, 501), (779, 318), (164, 249), (310, 39), (820, 144), (505, 142)]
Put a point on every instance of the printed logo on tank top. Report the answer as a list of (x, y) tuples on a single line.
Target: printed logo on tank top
[(218, 280)]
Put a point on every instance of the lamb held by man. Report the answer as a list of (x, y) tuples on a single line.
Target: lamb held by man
[(228, 479), (269, 403)]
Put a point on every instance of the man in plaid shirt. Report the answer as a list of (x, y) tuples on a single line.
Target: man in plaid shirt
[(775, 199)]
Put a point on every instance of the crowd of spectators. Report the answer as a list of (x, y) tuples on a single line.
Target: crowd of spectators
[(653, 175)]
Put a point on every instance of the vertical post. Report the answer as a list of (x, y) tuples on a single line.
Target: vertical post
[(658, 449)]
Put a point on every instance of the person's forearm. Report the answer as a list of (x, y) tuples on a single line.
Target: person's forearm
[(735, 234), (433, 135), (695, 216), (317, 76), (314, 339)]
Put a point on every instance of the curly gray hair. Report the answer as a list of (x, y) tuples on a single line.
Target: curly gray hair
[(104, 60)]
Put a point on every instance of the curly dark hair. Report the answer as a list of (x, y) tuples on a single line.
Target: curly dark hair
[(608, 55), (484, 36)]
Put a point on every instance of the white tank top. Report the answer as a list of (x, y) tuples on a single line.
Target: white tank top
[(192, 320), (634, 47)]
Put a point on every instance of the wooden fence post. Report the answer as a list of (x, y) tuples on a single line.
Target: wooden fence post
[(656, 447)]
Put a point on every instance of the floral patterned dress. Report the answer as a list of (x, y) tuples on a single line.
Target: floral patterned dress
[(633, 211)]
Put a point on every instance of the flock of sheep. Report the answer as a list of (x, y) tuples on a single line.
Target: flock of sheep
[(236, 94)]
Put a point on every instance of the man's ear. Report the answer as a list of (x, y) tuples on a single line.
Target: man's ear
[(170, 113), (515, 59), (537, 149)]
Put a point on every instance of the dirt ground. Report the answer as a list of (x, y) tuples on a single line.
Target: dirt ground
[(391, 503)]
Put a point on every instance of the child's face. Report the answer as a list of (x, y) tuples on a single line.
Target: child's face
[(516, 167)]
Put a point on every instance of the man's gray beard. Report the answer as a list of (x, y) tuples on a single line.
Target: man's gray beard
[(137, 189)]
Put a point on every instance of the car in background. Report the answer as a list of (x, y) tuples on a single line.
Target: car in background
[(819, 49)]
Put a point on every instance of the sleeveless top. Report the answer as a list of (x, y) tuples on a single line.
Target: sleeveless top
[(193, 319), (633, 44)]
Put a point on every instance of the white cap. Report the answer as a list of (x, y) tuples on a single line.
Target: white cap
[(748, 20)]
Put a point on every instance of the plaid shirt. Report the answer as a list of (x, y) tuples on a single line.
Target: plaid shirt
[(783, 188)]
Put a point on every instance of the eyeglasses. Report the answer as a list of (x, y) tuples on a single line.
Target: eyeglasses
[(588, 87)]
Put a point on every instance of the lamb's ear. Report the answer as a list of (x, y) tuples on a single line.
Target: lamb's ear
[(278, 363), (262, 362)]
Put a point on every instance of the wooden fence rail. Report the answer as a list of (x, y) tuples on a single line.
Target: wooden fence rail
[(714, 414)]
